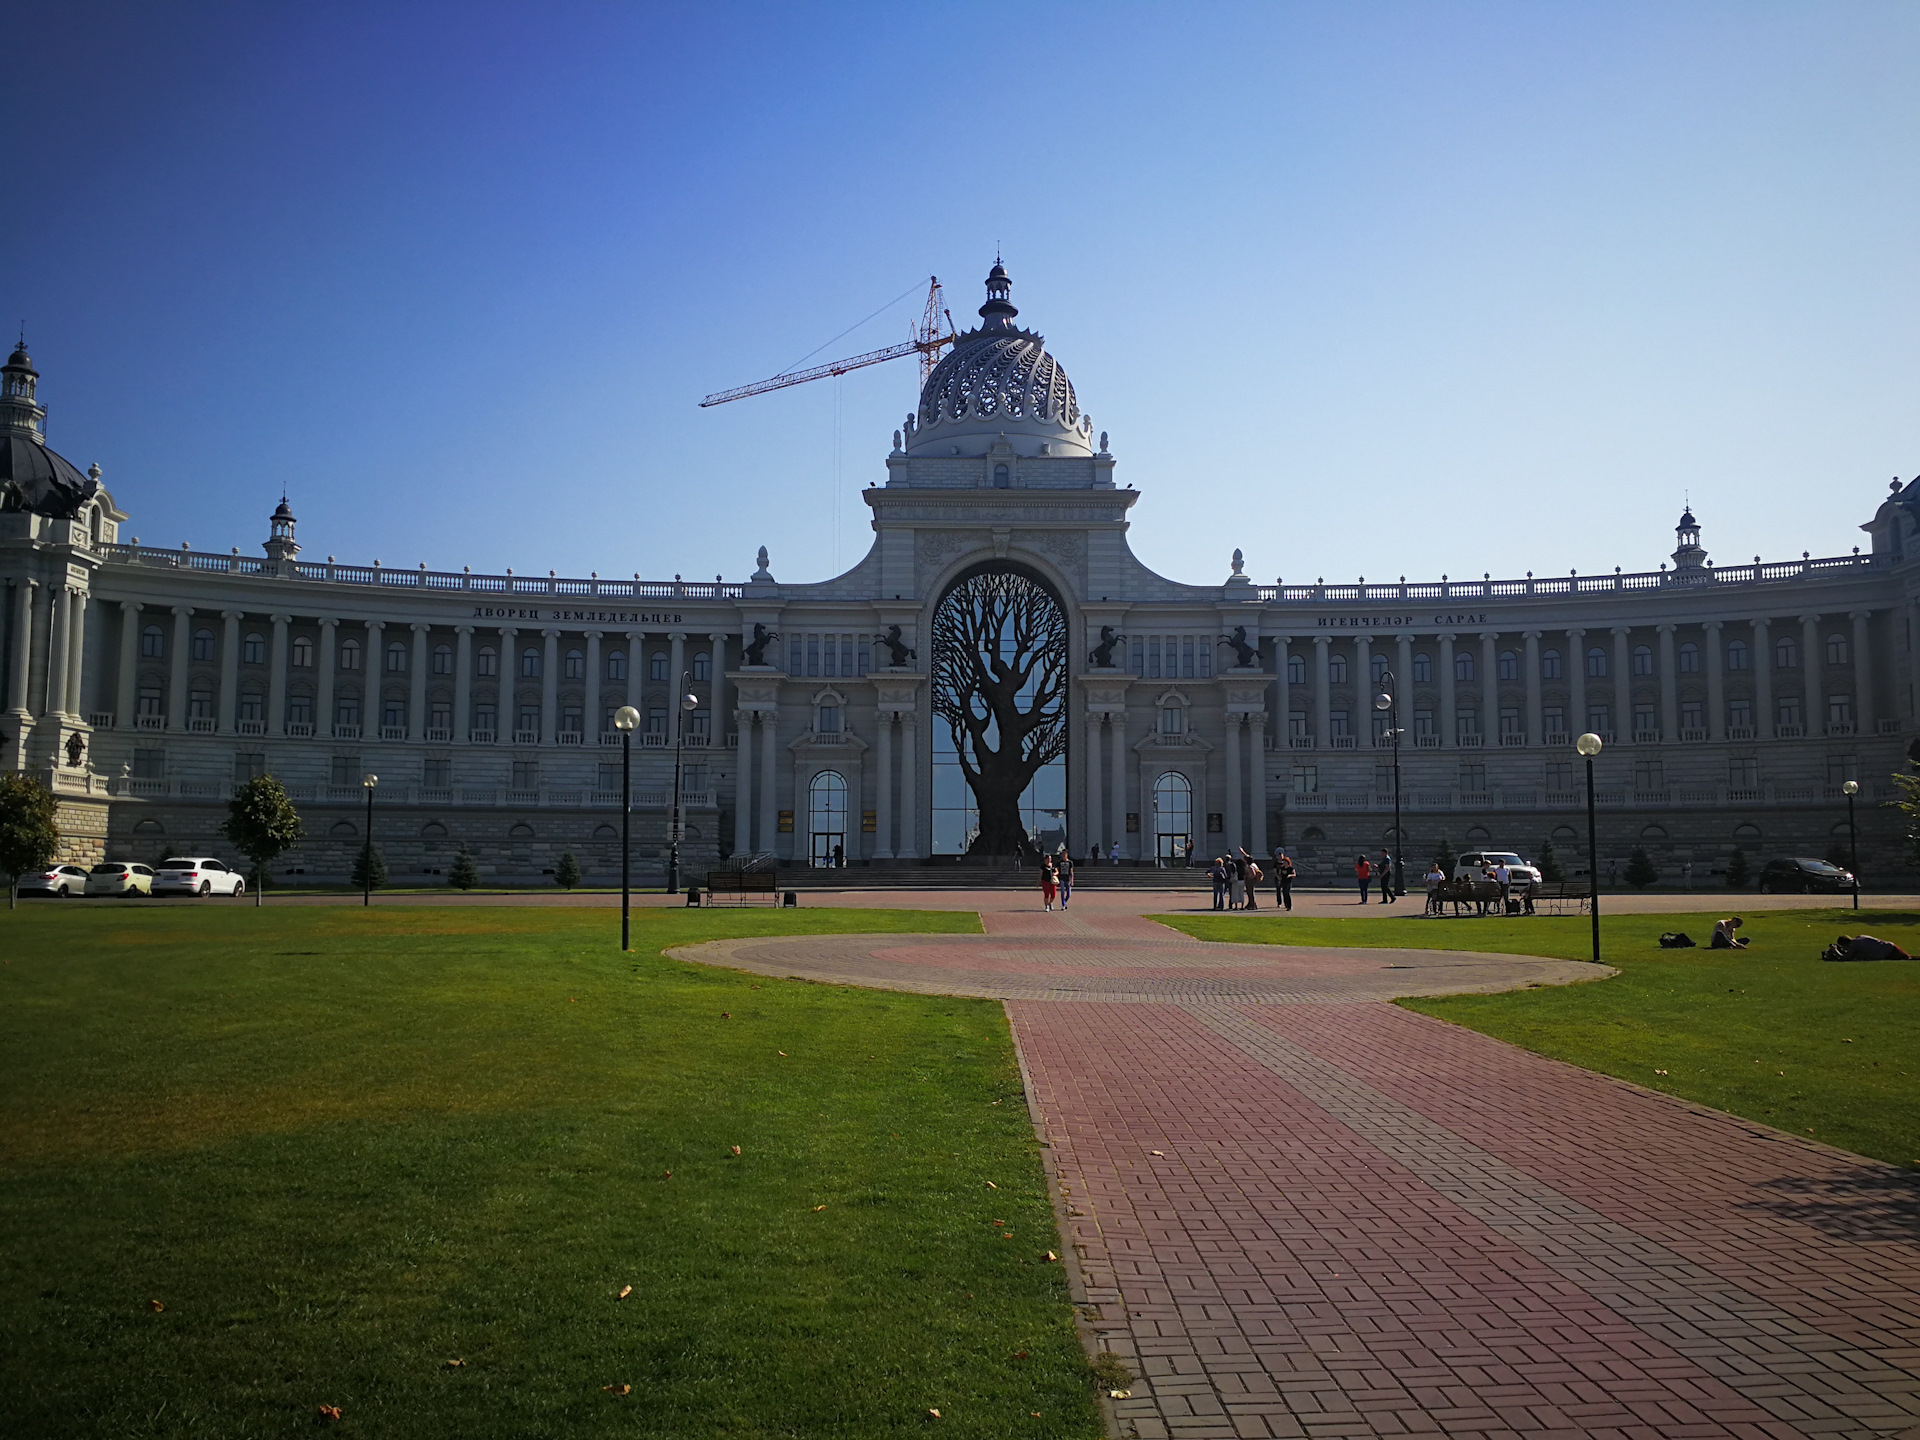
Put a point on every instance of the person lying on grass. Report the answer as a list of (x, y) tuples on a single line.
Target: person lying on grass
[(1723, 936)]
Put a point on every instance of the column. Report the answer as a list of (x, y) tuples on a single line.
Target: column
[(1117, 777), (1096, 783), (1403, 678), (277, 677), (1489, 688), (229, 669), (1234, 792), (1577, 681), (1363, 687), (1530, 658), (329, 664), (717, 683), (177, 688), (909, 847), (22, 646), (1863, 718), (1622, 682), (417, 692), (676, 663), (883, 796), (743, 790), (590, 722), (769, 781), (76, 655), (126, 697), (1762, 679), (1449, 721), (506, 714), (550, 689), (1716, 688), (1669, 688), (1322, 700), (462, 683), (1815, 712), (1257, 735), (370, 706), (1283, 702), (59, 632)]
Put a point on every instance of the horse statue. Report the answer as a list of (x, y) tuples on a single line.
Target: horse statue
[(755, 652), (1102, 654), (898, 651), (1246, 656)]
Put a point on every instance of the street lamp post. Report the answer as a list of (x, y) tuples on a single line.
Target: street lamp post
[(624, 720), (1851, 789), (688, 703), (1589, 746), (1388, 700), (370, 781)]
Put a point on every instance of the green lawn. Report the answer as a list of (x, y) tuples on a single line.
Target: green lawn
[(343, 1148), (1771, 1033)]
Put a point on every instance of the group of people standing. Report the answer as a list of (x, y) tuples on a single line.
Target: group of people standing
[(1056, 879), (1236, 877)]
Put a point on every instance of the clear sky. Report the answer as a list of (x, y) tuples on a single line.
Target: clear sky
[(1361, 289)]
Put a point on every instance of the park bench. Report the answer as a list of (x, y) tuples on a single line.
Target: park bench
[(739, 887), (1554, 896), (1483, 896)]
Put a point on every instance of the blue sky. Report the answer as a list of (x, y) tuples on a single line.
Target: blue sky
[(1363, 290)]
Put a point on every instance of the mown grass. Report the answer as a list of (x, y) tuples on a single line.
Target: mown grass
[(343, 1148), (1772, 1032)]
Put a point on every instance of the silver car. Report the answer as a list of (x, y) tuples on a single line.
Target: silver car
[(58, 881)]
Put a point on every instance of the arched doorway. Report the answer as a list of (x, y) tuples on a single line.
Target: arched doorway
[(827, 818), (1172, 818), (999, 646)]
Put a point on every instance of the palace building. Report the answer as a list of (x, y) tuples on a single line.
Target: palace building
[(999, 673)]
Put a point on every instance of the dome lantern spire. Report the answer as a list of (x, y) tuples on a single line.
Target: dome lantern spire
[(998, 312)]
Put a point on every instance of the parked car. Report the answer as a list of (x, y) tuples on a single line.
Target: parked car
[(201, 876), (1802, 875), (119, 877), (1468, 866), (58, 881)]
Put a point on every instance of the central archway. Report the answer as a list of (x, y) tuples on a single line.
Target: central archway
[(1000, 686)]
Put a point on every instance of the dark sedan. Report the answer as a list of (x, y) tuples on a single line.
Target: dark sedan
[(1803, 876)]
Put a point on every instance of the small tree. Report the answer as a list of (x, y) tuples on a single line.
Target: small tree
[(369, 869), (1737, 873), (263, 825), (1445, 856), (567, 875), (1550, 870), (29, 828), (465, 874), (1910, 803), (1640, 872)]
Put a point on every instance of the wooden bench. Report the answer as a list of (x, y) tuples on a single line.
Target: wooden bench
[(1482, 895), (1556, 895), (738, 887)]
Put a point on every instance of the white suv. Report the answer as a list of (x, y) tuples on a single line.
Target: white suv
[(1468, 867), (177, 876)]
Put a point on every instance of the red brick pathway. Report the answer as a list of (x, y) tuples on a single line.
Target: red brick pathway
[(1297, 1211)]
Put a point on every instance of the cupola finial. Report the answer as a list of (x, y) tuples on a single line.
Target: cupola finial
[(999, 311)]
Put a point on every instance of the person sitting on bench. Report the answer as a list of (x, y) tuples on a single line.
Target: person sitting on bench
[(1723, 936)]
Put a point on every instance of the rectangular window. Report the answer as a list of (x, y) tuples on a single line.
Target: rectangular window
[(1468, 721), (1743, 774), (1693, 715), (1842, 768), (1473, 775), (829, 720), (863, 660), (1649, 775), (1297, 725), (609, 778), (846, 655), (796, 656), (1338, 720), (572, 720), (248, 765), (656, 720), (1383, 779), (1554, 720), (485, 717), (150, 700), (1139, 666), (1509, 722), (1560, 776), (1206, 662), (1186, 656), (394, 714), (251, 705), (346, 770), (832, 659), (1306, 779), (1788, 712), (436, 772), (149, 764), (346, 711), (693, 779), (440, 715), (700, 722), (1643, 718), (1423, 723), (200, 704), (1740, 714), (1599, 718), (526, 774), (1153, 657), (300, 710), (813, 654), (1839, 709), (529, 718)]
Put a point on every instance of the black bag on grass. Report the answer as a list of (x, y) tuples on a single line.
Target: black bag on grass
[(1677, 940)]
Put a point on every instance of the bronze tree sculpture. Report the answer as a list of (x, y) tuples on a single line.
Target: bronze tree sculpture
[(999, 681)]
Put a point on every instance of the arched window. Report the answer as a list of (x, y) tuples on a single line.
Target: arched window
[(1509, 665), (1736, 655), (576, 666), (1423, 669), (1786, 654), (657, 665), (1837, 649), (203, 644), (153, 643), (617, 665), (1296, 669), (396, 657), (1596, 663), (1337, 669), (1549, 664), (487, 662), (530, 663), (701, 662), (827, 818), (1689, 659), (349, 654), (1463, 666), (253, 649), (1172, 816), (1642, 660), (302, 653), (443, 660)]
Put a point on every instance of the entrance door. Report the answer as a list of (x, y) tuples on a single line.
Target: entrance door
[(1172, 818), (827, 818), (1173, 848), (828, 848)]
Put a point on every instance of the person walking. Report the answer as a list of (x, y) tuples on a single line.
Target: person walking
[(1436, 882), (1188, 857), (1115, 857), (1066, 876), (1386, 878), (1236, 882), (1503, 877), (1363, 872), (1250, 867), (1049, 886), (1283, 879), (1217, 873)]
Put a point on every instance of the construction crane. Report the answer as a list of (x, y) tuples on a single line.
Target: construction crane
[(927, 342)]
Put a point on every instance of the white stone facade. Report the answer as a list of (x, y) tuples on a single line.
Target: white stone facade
[(1735, 700)]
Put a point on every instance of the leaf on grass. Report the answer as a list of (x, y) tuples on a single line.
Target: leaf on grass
[(1019, 1354), (1051, 1257), (155, 1306), (818, 1208), (1659, 1072), (726, 1014), (1120, 1394), (625, 1290), (736, 1149), (455, 1364), (992, 1186), (619, 1389), (781, 1053), (669, 1174), (934, 1413), (329, 1412)]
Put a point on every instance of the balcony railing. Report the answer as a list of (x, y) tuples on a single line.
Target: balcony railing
[(1557, 737), (202, 725), (526, 737), (149, 722), (1646, 737), (1426, 742), (300, 729), (1839, 728), (1300, 742), (1512, 738), (481, 737), (1692, 735), (250, 727), (568, 737), (346, 732), (1469, 740), (1888, 726), (1789, 732), (101, 719), (1740, 732), (1706, 577), (393, 732), (439, 734), (1343, 742)]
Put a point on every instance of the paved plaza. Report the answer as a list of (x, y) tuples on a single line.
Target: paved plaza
[(1295, 1210)]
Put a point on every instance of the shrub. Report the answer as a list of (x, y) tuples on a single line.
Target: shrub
[(29, 832), (1640, 872), (465, 874), (369, 869), (1550, 870), (567, 875), (1737, 872)]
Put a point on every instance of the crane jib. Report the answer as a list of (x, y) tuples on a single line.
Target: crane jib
[(835, 367)]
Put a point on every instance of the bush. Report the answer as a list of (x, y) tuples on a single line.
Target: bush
[(1445, 856), (263, 826), (1640, 872), (465, 874), (29, 834), (1550, 870), (369, 868), (567, 875), (1737, 872)]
